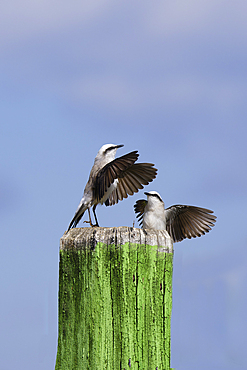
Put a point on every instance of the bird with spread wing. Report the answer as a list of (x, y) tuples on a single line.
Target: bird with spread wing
[(112, 180), (180, 221)]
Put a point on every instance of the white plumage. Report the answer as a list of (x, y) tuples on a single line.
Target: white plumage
[(111, 180), (180, 221)]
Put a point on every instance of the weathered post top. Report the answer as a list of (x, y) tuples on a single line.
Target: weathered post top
[(87, 238)]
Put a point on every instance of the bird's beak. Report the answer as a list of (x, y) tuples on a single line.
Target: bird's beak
[(119, 146), (146, 193)]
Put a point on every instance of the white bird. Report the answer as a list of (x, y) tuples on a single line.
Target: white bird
[(111, 180), (180, 221)]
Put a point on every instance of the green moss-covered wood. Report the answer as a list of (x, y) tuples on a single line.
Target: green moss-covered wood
[(115, 299)]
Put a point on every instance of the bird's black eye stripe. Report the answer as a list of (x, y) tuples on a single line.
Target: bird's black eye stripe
[(110, 148), (157, 196)]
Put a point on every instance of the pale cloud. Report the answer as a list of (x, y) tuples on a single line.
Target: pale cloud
[(179, 16), (108, 90), (122, 93), (113, 90), (174, 17), (26, 19), (127, 73)]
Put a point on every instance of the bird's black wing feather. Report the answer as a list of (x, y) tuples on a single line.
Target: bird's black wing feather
[(139, 210), (131, 180), (188, 221), (112, 171)]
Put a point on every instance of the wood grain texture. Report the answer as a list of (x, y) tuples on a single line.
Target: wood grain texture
[(87, 237), (115, 299)]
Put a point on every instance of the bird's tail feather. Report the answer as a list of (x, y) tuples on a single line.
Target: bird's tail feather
[(78, 215)]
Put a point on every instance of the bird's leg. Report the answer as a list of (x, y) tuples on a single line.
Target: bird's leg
[(90, 221), (94, 207)]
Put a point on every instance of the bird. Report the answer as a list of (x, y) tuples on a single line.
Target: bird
[(111, 180), (180, 221)]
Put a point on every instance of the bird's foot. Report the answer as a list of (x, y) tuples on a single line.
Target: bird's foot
[(92, 225)]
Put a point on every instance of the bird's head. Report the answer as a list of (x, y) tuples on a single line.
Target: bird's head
[(154, 198), (108, 152)]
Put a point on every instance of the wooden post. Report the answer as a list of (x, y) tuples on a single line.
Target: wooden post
[(115, 299)]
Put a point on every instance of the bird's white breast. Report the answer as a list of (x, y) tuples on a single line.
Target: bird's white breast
[(154, 217)]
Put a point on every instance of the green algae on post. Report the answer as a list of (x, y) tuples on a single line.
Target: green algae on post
[(115, 299)]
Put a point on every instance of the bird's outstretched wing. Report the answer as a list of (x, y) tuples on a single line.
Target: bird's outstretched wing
[(111, 172), (131, 180), (188, 221), (139, 210)]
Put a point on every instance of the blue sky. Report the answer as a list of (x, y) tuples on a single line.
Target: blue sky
[(166, 78)]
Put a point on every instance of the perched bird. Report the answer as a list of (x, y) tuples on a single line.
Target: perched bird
[(111, 180), (179, 221)]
